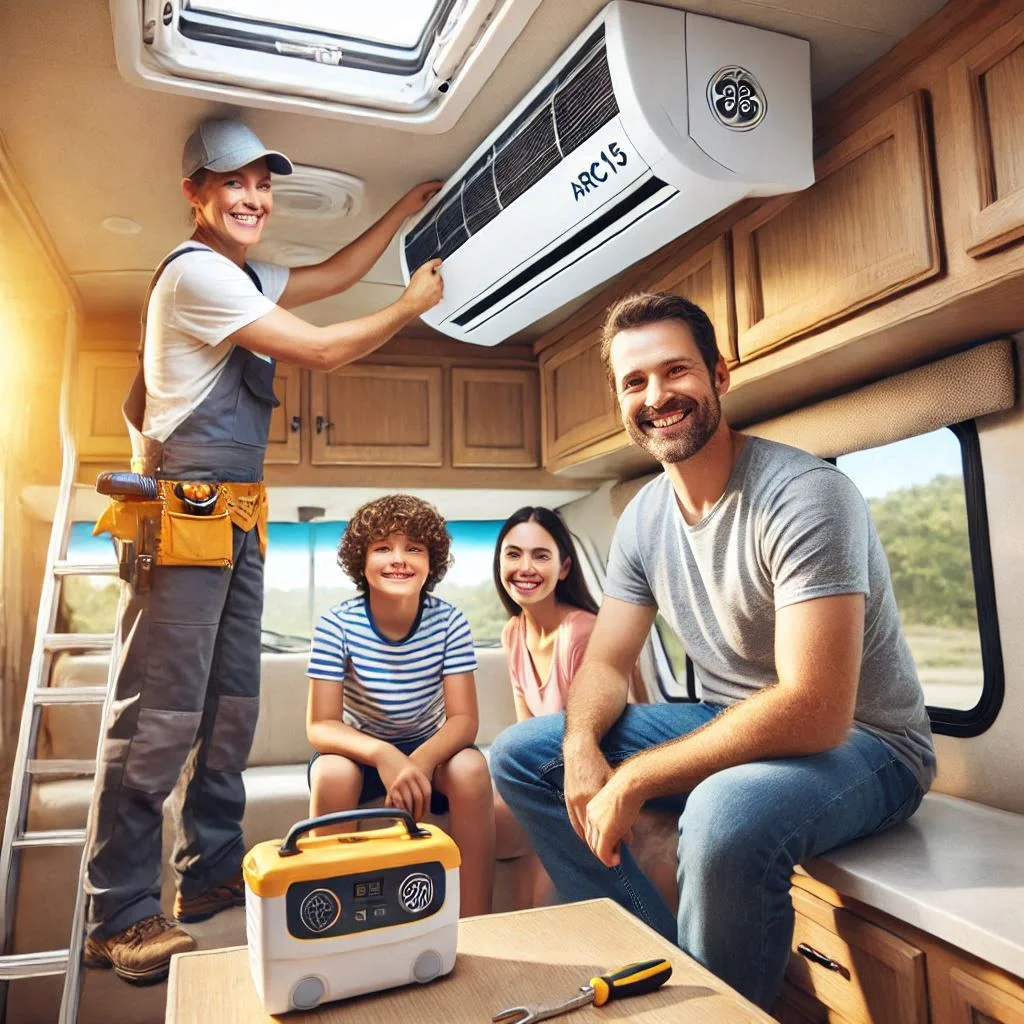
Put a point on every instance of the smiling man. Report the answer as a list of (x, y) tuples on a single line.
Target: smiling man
[(811, 730), (187, 690)]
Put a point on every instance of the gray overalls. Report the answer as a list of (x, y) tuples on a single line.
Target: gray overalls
[(187, 690)]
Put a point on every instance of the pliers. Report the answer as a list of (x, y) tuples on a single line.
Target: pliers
[(632, 980)]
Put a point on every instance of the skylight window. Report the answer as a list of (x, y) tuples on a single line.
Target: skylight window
[(409, 63), (399, 23)]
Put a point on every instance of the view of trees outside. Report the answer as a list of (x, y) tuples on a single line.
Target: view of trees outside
[(914, 489)]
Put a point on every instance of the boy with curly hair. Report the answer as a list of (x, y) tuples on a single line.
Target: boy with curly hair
[(401, 724)]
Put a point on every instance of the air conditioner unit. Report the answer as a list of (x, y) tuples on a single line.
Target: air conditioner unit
[(651, 122)]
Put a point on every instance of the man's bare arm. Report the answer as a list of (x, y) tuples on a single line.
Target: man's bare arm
[(282, 335), (600, 689), (818, 646), (597, 697)]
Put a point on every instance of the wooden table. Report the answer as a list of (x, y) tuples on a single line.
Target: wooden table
[(528, 957)]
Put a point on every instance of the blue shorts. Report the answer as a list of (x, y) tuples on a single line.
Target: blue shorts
[(373, 787)]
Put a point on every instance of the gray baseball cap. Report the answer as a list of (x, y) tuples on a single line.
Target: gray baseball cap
[(226, 146)]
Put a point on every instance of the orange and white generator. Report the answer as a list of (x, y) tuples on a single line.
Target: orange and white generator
[(342, 915)]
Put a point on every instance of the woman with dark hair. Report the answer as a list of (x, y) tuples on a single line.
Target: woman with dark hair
[(540, 582)]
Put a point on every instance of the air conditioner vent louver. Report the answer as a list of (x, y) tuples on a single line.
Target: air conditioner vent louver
[(586, 103), (614, 153), (576, 104)]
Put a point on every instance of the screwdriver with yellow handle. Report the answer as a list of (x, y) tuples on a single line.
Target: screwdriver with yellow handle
[(632, 980)]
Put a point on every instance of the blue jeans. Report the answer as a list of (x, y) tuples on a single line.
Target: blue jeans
[(741, 832)]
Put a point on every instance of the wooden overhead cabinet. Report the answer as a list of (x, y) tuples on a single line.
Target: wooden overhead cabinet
[(705, 279), (864, 231), (578, 408), (104, 379), (494, 417), (986, 85), (284, 442), (377, 414)]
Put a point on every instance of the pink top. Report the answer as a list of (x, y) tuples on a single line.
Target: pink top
[(549, 696)]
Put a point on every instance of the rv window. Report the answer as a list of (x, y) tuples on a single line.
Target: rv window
[(391, 22), (927, 501), (675, 670), (302, 579)]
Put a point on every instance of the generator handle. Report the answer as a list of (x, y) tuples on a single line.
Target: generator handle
[(290, 846)]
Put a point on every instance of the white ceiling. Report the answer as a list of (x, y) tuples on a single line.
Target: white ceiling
[(89, 146)]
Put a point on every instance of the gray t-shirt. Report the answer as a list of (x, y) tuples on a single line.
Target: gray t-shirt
[(788, 528)]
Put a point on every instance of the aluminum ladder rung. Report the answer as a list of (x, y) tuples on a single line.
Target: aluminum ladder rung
[(62, 766), (68, 568), (70, 695), (50, 837), (78, 642), (33, 965)]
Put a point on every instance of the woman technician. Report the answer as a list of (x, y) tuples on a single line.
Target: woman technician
[(187, 691)]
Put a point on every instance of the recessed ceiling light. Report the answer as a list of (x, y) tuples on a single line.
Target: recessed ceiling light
[(122, 225), (317, 192)]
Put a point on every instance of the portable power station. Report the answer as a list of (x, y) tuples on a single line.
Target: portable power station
[(337, 916)]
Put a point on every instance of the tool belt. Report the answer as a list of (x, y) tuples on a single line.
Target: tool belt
[(154, 522)]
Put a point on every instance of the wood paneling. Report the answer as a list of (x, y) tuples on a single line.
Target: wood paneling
[(873, 977), (284, 445), (104, 379), (865, 230), (495, 417), (578, 408), (705, 278), (986, 85), (375, 413)]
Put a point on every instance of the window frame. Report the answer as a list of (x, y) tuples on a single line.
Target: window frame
[(965, 723)]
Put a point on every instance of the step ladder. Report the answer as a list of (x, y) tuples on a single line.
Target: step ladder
[(27, 766)]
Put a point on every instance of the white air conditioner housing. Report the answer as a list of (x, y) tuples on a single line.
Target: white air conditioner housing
[(650, 123)]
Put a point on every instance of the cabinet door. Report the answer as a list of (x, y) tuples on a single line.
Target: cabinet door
[(976, 1002), (863, 973), (985, 90), (578, 406), (378, 415), (705, 279), (865, 230), (494, 417), (104, 379), (283, 444)]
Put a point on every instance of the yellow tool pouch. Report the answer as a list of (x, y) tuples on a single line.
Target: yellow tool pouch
[(193, 540), (186, 539)]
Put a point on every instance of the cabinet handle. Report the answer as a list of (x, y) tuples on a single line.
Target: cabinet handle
[(296, 423), (821, 960), (322, 425)]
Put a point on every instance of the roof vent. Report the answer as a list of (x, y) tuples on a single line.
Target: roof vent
[(317, 192), (288, 253)]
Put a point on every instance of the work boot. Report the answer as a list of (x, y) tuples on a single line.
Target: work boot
[(142, 952), (189, 909)]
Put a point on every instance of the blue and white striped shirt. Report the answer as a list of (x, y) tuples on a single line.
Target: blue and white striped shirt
[(393, 689)]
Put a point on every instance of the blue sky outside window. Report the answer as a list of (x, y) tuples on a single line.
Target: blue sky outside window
[(303, 578)]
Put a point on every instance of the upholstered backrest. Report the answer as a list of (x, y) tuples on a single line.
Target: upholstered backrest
[(71, 732)]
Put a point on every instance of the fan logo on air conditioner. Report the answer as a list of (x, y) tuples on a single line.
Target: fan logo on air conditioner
[(319, 910), (736, 98), (416, 893)]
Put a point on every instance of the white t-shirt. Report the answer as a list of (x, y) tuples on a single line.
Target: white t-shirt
[(201, 299)]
